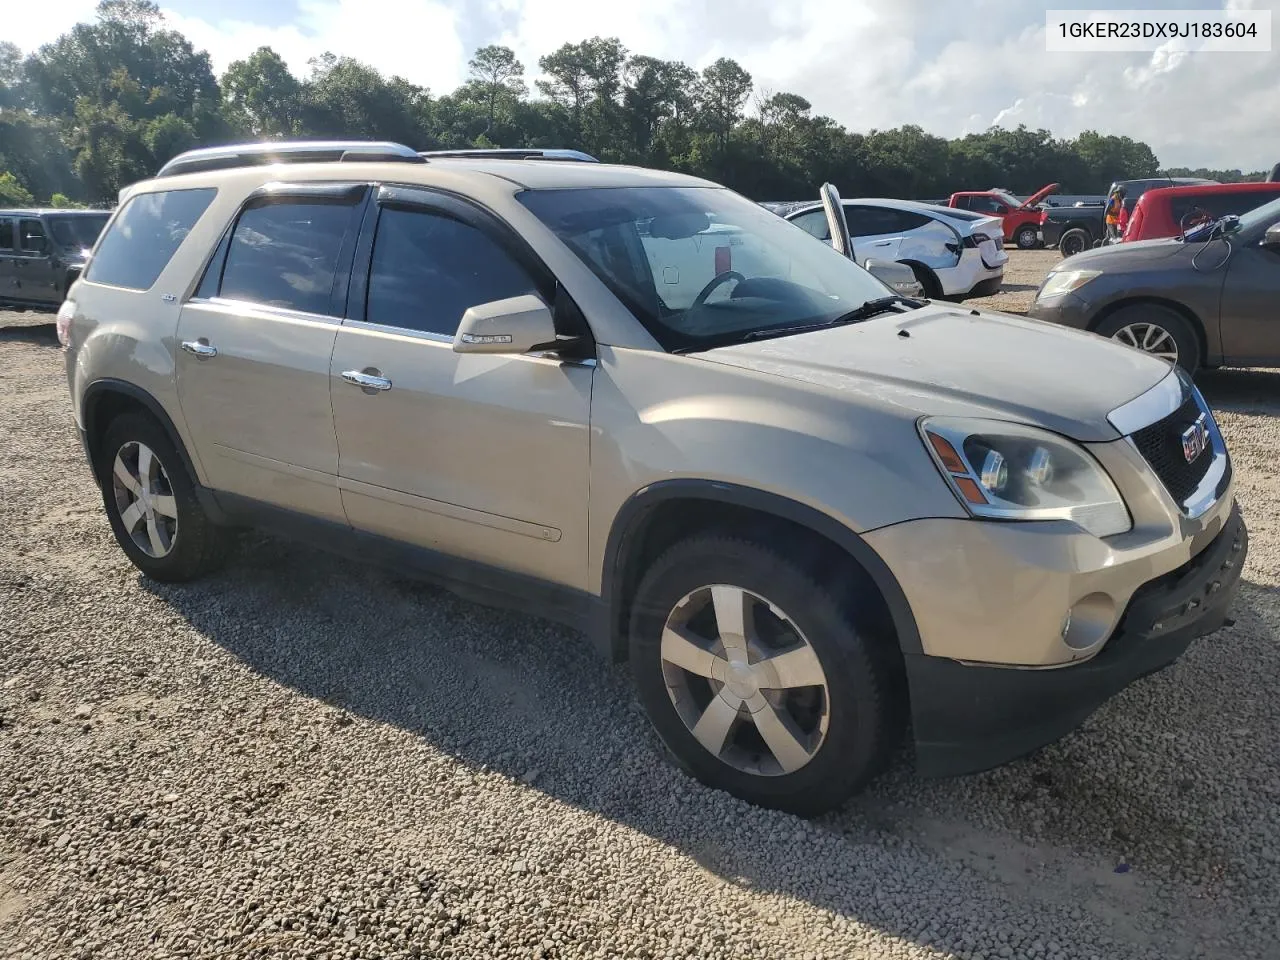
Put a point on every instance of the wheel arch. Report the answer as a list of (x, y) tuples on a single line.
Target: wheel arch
[(918, 267), (106, 399), (1181, 309), (659, 515)]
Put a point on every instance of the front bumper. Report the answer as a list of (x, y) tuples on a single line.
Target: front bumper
[(1066, 309), (971, 717)]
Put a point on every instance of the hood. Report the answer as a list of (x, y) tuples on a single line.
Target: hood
[(1041, 194), (1131, 255), (944, 360)]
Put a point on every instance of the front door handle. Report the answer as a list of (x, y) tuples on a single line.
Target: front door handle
[(367, 379), (201, 348), (882, 243)]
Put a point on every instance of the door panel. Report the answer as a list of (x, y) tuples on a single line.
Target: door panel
[(254, 349), (259, 411), (1250, 322), (479, 456), (483, 457), (8, 254), (34, 274)]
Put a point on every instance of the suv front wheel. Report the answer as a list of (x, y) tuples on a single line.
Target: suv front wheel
[(152, 505), (756, 677)]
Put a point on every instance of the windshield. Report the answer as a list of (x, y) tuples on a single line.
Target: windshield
[(1262, 216), (702, 266), (1008, 198), (75, 233)]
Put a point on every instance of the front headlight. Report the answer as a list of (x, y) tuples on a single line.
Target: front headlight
[(1065, 281), (1008, 471)]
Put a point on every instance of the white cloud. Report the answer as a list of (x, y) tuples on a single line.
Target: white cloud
[(867, 63), (416, 39)]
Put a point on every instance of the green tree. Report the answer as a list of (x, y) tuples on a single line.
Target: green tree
[(12, 192), (260, 97), (722, 93), (585, 80), (347, 99), (497, 79)]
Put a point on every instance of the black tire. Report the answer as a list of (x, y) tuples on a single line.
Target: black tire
[(197, 545), (1154, 315), (1076, 240), (927, 279), (1027, 238), (865, 719)]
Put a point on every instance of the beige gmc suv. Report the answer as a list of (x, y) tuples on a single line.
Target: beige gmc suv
[(812, 513)]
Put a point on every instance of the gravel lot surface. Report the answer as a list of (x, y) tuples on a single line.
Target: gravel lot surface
[(301, 757)]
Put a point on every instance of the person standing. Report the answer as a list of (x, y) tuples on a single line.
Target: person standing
[(1114, 210)]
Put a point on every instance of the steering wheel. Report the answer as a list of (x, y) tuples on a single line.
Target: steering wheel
[(716, 281)]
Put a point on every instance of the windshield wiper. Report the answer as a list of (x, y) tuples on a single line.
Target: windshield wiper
[(864, 312)]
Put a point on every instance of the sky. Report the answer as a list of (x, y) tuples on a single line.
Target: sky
[(950, 66)]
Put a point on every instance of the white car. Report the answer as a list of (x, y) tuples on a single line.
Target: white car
[(954, 254)]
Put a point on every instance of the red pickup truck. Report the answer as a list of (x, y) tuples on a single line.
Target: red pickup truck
[(1021, 220)]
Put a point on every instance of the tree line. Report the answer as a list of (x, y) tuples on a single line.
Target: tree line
[(110, 101)]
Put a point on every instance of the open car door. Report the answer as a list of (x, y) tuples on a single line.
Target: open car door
[(837, 226)]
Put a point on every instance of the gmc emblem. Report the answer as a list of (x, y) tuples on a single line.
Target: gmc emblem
[(1194, 439)]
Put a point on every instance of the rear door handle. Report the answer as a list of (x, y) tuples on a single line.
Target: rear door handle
[(366, 380), (882, 243), (201, 348)]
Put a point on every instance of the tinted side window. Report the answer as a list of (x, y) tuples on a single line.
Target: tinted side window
[(31, 233), (6, 234), (908, 220), (145, 235), (1235, 204), (815, 223), (285, 254), (871, 221), (428, 268)]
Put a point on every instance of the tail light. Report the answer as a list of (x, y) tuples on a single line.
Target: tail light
[(63, 322)]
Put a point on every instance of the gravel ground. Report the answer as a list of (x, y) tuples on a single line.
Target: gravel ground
[(301, 757)]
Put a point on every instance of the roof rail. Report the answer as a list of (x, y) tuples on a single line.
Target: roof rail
[(512, 153), (288, 151)]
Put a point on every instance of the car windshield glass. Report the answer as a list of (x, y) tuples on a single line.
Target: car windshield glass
[(702, 266), (1008, 198), (1262, 216), (76, 233)]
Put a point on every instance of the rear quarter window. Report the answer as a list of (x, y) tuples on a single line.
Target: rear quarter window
[(145, 235)]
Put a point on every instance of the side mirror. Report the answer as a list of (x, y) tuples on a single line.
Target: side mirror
[(1271, 239), (515, 325), (896, 276)]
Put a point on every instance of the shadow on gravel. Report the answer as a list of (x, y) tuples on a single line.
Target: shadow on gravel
[(1240, 390), (533, 701), (43, 334)]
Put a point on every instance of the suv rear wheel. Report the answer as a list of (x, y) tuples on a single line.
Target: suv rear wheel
[(756, 677), (152, 505)]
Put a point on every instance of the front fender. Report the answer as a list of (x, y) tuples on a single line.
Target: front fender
[(658, 418)]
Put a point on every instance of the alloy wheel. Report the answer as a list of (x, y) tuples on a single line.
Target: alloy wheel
[(144, 499), (1149, 338), (744, 680)]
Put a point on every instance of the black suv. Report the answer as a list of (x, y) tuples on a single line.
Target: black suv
[(43, 251)]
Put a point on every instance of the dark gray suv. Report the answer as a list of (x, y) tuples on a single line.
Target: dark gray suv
[(43, 251), (1206, 300)]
